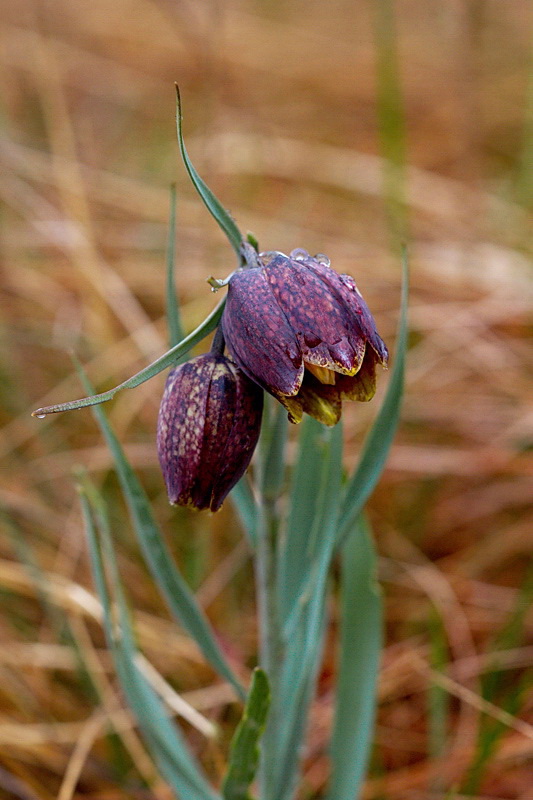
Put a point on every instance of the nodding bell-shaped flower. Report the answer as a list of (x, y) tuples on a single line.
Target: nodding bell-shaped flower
[(208, 427), (304, 333)]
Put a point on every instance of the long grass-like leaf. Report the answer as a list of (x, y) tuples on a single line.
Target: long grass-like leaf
[(379, 440), (293, 550), (179, 597), (245, 744), (273, 472), (360, 646), (304, 562), (244, 501), (166, 743), (314, 502), (290, 746), (222, 217), (175, 328), (166, 360)]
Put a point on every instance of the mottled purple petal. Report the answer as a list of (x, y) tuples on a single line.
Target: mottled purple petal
[(221, 395), (297, 312), (320, 319), (241, 439), (345, 288), (208, 427), (258, 335), (180, 426)]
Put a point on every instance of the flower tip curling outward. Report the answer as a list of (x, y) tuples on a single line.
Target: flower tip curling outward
[(304, 333), (208, 427)]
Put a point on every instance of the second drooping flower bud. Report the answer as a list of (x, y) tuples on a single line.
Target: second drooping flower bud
[(208, 427)]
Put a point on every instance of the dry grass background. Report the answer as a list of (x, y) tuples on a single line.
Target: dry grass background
[(281, 120)]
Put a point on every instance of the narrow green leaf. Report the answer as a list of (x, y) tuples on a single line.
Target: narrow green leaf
[(166, 360), (304, 560), (179, 597), (244, 501), (379, 440), (314, 502), (244, 756), (360, 647), (305, 488), (165, 741), (175, 329), (295, 708), (223, 218), (274, 445)]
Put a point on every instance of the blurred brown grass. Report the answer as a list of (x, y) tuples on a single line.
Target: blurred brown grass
[(280, 118)]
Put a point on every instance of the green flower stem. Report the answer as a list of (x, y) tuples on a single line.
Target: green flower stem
[(270, 626), (271, 645)]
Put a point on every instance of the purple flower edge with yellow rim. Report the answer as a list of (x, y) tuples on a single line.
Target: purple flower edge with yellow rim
[(303, 333)]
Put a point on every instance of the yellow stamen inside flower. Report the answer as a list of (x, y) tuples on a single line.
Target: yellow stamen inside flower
[(323, 374)]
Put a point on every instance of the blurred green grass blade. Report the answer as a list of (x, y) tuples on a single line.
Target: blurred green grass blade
[(491, 732), (524, 181), (25, 554), (223, 218), (166, 743), (179, 597), (438, 698), (244, 756), (273, 444), (175, 329), (360, 647), (496, 688), (379, 440), (169, 358), (244, 501), (391, 118)]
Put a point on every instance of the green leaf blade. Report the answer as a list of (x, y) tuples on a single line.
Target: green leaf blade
[(360, 648), (245, 504), (379, 440), (167, 746), (166, 360), (175, 328), (178, 596), (213, 205), (304, 560), (245, 744)]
